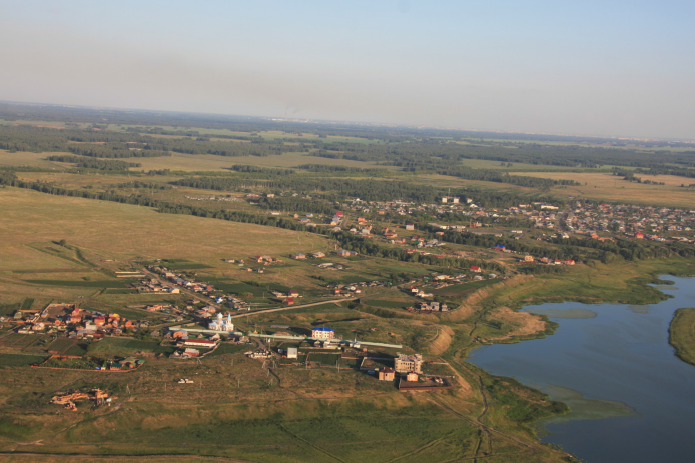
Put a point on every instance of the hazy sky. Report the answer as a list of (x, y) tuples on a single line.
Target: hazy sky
[(609, 67)]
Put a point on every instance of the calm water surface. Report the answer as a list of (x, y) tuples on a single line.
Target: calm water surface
[(632, 399)]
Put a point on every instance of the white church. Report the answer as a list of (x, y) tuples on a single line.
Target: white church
[(220, 324)]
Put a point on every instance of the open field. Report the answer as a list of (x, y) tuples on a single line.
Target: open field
[(17, 360), (524, 167), (607, 187), (682, 335), (111, 347), (25, 158), (265, 134), (448, 181), (125, 232), (233, 412)]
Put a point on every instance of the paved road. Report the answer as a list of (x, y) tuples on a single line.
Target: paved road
[(217, 306), (291, 307)]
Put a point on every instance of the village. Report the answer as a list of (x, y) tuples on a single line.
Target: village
[(279, 345), (202, 317), (580, 217)]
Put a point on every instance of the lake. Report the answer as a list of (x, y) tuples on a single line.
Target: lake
[(632, 399)]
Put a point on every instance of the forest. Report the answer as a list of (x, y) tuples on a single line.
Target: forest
[(120, 134)]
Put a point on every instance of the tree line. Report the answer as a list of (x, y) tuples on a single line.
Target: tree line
[(96, 164)]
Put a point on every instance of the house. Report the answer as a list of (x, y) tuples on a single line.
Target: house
[(410, 226), (188, 352), (199, 343), (476, 269), (344, 253), (318, 255), (499, 247), (293, 293), (405, 363), (323, 333), (387, 374), (299, 256), (288, 301), (528, 258), (179, 334)]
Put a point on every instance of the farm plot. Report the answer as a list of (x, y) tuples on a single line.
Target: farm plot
[(62, 345)]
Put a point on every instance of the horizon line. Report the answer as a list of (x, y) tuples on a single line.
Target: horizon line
[(335, 121)]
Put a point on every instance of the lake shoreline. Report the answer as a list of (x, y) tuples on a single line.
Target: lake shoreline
[(587, 336)]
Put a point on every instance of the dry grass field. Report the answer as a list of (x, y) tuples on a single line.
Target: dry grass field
[(240, 410), (447, 181), (191, 162), (25, 158), (606, 187), (117, 231)]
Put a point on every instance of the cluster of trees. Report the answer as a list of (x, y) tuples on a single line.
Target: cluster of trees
[(429, 153), (491, 175), (115, 150), (325, 168), (144, 185), (630, 176), (258, 147), (270, 171), (33, 139), (329, 188), (96, 164)]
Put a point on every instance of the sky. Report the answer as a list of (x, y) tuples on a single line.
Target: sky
[(605, 68)]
